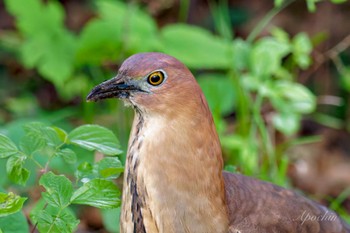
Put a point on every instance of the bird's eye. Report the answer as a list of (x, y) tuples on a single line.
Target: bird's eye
[(155, 78)]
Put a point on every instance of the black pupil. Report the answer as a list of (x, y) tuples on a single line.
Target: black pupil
[(155, 78)]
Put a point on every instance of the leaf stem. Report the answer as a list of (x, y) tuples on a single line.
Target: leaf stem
[(267, 18)]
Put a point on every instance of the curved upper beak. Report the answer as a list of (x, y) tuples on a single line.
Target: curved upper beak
[(113, 88)]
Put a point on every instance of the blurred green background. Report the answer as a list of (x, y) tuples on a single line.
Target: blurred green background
[(276, 75)]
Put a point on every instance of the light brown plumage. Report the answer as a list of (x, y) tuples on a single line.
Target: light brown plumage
[(173, 179)]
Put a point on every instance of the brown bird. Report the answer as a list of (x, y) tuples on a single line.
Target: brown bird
[(173, 181)]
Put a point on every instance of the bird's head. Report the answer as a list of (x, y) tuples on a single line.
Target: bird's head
[(151, 82)]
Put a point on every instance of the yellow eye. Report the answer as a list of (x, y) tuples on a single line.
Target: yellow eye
[(155, 78)]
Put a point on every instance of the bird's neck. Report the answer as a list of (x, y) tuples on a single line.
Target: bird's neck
[(173, 179)]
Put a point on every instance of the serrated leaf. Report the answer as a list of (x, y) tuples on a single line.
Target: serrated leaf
[(7, 147), (41, 132), (67, 155), (186, 43), (94, 137), (55, 221), (31, 143), (109, 167), (99, 193), (59, 189), (10, 203), (15, 170)]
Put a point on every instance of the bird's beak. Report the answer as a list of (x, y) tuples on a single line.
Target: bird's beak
[(113, 88)]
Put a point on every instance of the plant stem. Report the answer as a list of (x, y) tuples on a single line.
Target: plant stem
[(266, 20), (183, 13), (267, 144)]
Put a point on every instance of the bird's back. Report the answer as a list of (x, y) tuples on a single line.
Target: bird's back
[(260, 207)]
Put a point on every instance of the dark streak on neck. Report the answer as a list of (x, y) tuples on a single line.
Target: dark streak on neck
[(137, 199)]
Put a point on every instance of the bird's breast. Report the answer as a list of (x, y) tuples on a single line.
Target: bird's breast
[(132, 219)]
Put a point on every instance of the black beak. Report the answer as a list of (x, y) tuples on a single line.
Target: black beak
[(113, 88)]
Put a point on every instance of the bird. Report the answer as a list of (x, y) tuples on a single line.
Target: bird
[(174, 180)]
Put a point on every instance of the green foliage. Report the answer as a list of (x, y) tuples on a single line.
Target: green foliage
[(14, 223), (187, 42), (99, 193), (53, 213), (111, 219), (244, 76), (10, 203), (94, 137), (52, 219), (48, 45), (7, 147)]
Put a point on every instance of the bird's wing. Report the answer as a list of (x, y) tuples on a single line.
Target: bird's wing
[(260, 207)]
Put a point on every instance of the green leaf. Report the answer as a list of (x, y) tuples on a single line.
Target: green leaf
[(48, 46), (10, 203), (302, 48), (51, 220), (110, 219), (311, 5), (299, 98), (14, 223), (59, 189), (118, 25), (38, 137), (287, 123), (109, 167), (280, 35), (345, 78), (99, 193), (214, 86), (33, 17), (15, 170), (54, 55), (7, 147), (278, 3), (302, 43), (61, 134), (101, 38), (67, 155), (85, 172), (94, 137), (40, 131), (266, 56), (196, 47), (31, 143), (241, 51), (142, 32)]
